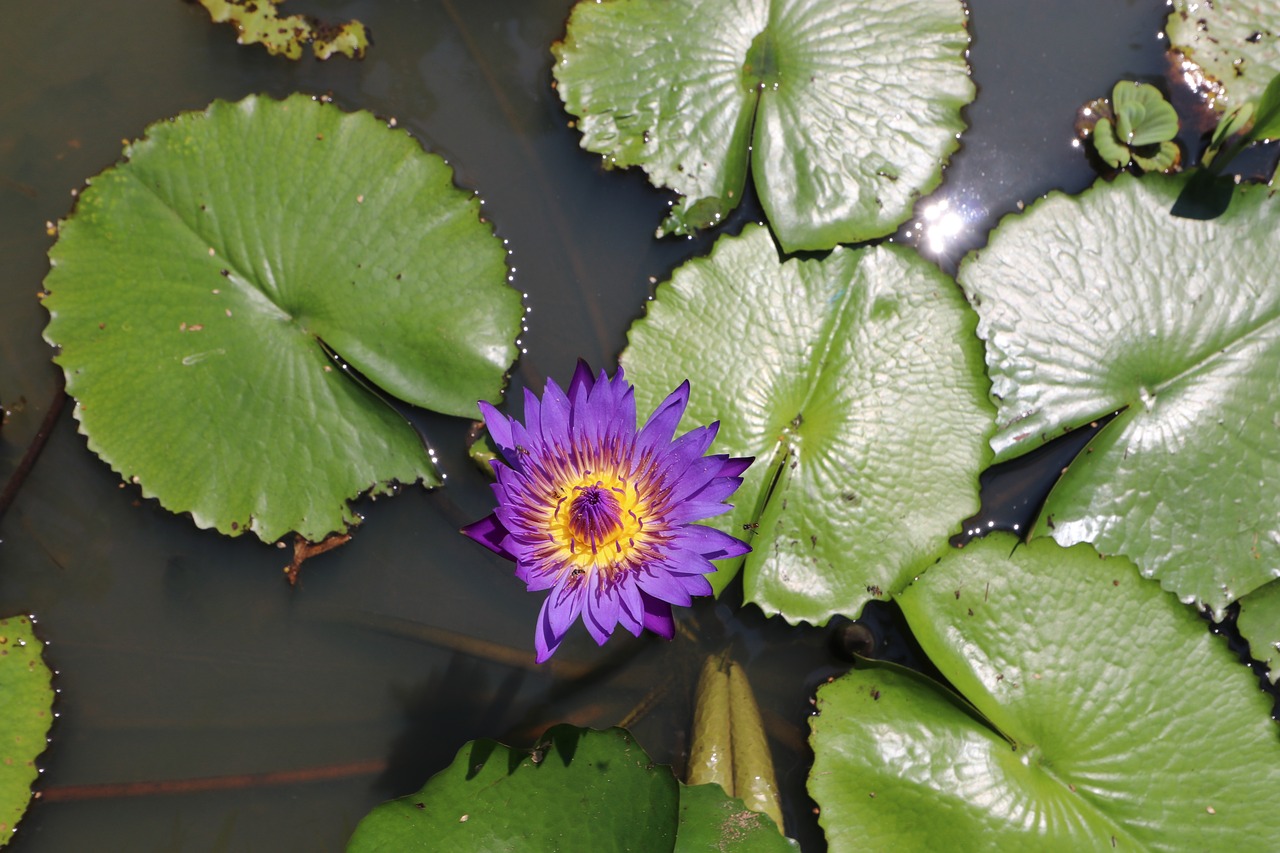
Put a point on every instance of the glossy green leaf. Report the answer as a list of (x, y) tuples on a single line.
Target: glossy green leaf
[(1119, 721), (577, 789), (1104, 302), (1259, 623), (1143, 116), (1233, 121), (258, 22), (1230, 49), (847, 112), (1266, 124), (856, 382), (193, 284), (712, 821), (26, 713)]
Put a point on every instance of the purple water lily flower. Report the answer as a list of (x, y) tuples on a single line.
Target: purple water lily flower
[(601, 514)]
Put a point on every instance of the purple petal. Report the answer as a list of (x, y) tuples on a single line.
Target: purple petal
[(662, 585), (694, 510), (532, 417), (545, 640), (564, 604), (519, 439), (736, 466), (686, 451), (536, 575), (695, 584), (554, 423), (498, 425), (489, 532), (600, 614), (518, 550), (681, 563), (711, 543), (657, 617), (697, 476), (607, 415), (717, 489), (656, 434), (630, 604), (582, 380)]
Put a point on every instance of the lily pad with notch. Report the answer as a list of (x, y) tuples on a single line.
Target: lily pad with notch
[(856, 382), (845, 112), (1104, 302), (196, 285), (1112, 719)]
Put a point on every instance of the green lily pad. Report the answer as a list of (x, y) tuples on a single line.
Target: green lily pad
[(1110, 719), (193, 284), (1105, 302), (1259, 623), (847, 112), (26, 713), (710, 820), (1229, 50), (856, 382), (577, 789)]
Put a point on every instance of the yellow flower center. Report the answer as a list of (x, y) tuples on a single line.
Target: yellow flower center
[(596, 520)]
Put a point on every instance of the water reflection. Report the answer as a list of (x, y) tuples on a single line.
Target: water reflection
[(947, 225)]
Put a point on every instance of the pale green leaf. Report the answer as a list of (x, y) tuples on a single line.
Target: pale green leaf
[(1104, 302), (193, 285), (847, 111), (1116, 720), (856, 383), (1231, 50)]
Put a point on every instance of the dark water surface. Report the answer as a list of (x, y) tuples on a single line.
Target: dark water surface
[(204, 704)]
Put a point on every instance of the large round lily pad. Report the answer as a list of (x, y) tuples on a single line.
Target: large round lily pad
[(1229, 49), (26, 713), (856, 381), (845, 112), (193, 285), (1105, 302), (1103, 716)]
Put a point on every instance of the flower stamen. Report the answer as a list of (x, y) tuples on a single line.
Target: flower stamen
[(594, 514)]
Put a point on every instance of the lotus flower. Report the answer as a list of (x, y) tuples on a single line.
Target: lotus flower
[(602, 515)]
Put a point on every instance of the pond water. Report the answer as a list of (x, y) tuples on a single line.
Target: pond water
[(204, 704)]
